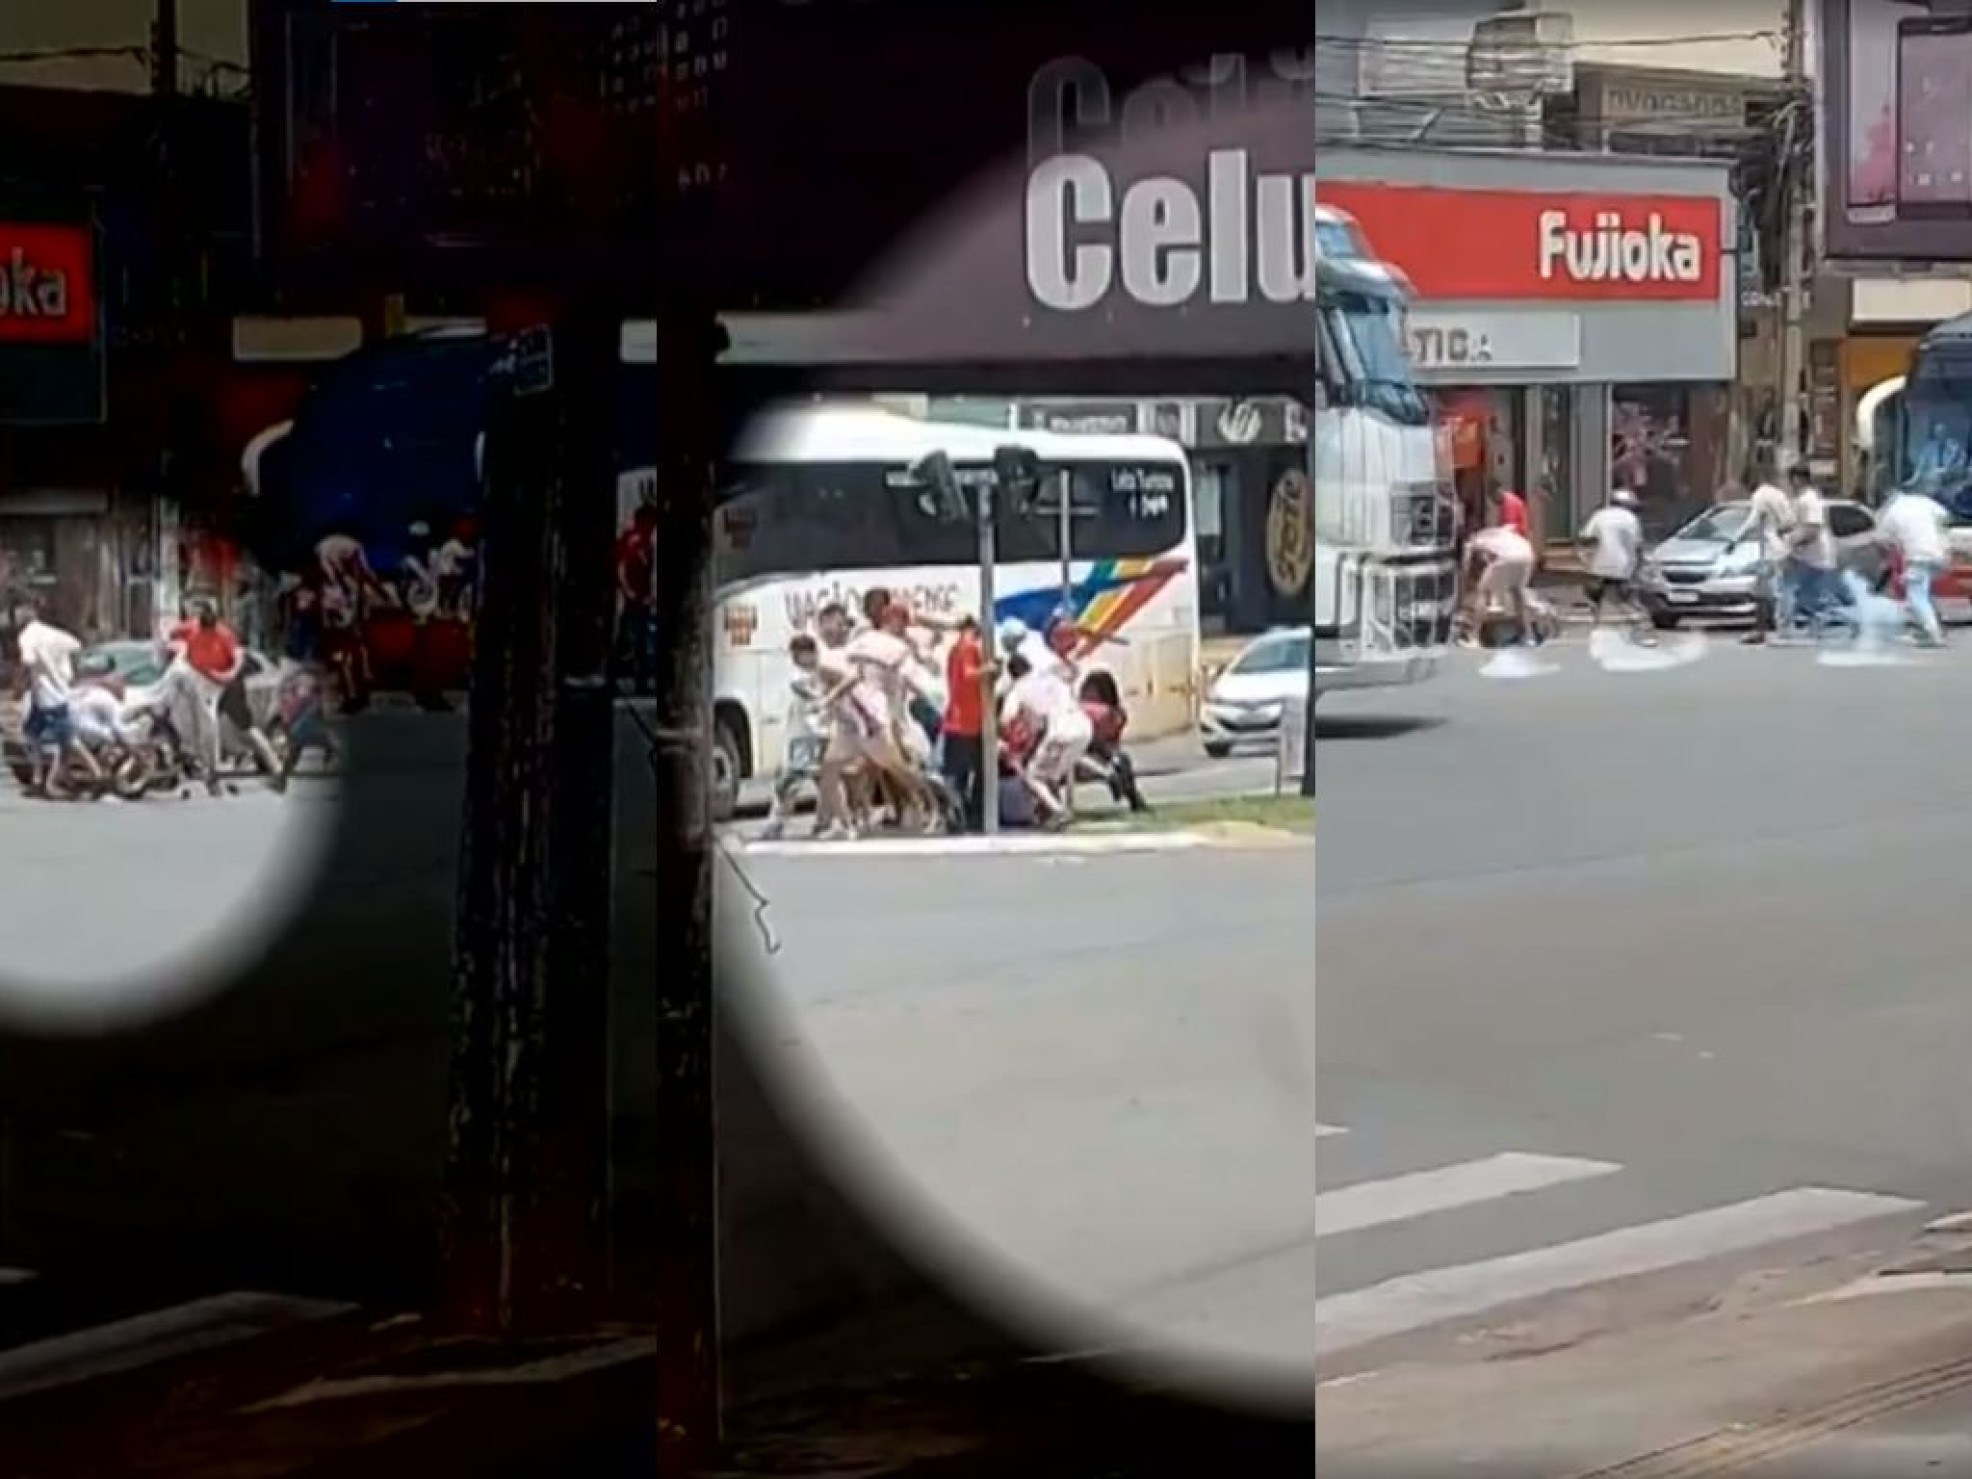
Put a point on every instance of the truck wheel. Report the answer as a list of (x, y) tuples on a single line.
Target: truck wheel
[(725, 771)]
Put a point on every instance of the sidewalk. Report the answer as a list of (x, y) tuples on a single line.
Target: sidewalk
[(369, 1398), (1813, 1386)]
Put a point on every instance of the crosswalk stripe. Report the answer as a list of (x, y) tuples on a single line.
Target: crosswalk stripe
[(1322, 1132), (1413, 1301), (1420, 1193)]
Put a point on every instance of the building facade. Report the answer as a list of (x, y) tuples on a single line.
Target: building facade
[(1577, 316)]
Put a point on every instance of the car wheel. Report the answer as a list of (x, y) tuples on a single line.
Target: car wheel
[(1218, 749), (1664, 621), (725, 771)]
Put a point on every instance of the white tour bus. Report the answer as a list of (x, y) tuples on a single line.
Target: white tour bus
[(1386, 575), (820, 505)]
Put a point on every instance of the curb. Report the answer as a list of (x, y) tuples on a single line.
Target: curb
[(1013, 845)]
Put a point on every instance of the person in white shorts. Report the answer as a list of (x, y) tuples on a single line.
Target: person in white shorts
[(1506, 571), (1044, 700)]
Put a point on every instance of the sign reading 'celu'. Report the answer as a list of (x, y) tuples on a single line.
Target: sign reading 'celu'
[(1164, 243)]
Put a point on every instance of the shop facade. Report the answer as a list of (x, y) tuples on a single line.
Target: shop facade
[(1576, 316), (59, 506)]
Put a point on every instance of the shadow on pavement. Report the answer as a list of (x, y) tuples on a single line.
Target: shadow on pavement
[(1371, 726)]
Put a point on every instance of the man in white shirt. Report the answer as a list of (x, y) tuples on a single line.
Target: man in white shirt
[(1043, 699), (1506, 569), (1810, 547), (47, 655), (1612, 544), (1771, 521), (1918, 528)]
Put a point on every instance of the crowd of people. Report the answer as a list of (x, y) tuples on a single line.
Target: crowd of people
[(887, 722), (1798, 580), (77, 727)]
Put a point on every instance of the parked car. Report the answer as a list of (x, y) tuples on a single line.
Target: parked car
[(1708, 567), (1245, 700)]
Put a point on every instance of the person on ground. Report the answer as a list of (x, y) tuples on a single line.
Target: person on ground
[(1917, 528), (47, 658), (1611, 544), (966, 675), (1044, 703), (1770, 520), (218, 664), (1505, 559), (1811, 579)]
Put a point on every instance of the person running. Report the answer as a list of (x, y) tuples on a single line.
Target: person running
[(1918, 529), (808, 727), (963, 736), (1811, 548), (1612, 551), (1771, 522), (218, 662), (1506, 571), (47, 657)]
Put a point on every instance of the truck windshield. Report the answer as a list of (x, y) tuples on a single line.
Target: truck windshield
[(1367, 332), (1936, 450)]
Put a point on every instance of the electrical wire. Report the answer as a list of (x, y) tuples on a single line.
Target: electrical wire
[(655, 738)]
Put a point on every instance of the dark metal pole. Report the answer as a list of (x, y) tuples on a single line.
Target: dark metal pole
[(989, 712), (687, 1225), (1314, 624), (529, 1129)]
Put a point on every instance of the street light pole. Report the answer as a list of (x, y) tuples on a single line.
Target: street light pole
[(1065, 525), (989, 713)]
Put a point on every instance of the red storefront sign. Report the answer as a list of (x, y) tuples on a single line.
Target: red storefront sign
[(47, 284), (1538, 244)]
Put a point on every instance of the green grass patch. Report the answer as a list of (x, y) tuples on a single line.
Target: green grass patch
[(1280, 813)]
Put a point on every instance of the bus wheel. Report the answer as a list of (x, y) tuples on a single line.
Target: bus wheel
[(726, 765)]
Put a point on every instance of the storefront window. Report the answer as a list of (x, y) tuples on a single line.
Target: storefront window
[(1668, 445), (1562, 513)]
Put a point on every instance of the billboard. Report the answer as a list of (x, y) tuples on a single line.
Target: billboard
[(1895, 130)]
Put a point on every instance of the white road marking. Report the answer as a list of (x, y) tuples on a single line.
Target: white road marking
[(1322, 1132), (1414, 1301), (1420, 1193)]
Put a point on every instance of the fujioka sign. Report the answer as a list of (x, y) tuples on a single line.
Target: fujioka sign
[(1529, 244), (47, 286)]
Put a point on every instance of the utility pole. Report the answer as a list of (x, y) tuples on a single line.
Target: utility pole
[(1796, 181), (164, 50)]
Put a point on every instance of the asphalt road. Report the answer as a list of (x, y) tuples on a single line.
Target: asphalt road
[(1079, 1086), (1635, 990)]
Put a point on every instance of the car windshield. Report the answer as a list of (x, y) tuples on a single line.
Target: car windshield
[(1282, 655), (1723, 523)]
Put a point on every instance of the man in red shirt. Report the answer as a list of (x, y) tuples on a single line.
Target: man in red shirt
[(636, 573), (1512, 513), (966, 677), (214, 654)]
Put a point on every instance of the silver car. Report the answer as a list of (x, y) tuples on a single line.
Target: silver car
[(1245, 700), (1709, 567)]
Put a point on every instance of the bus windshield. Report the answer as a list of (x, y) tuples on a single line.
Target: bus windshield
[(1367, 332)]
